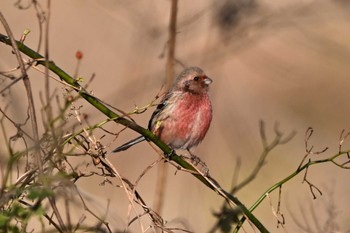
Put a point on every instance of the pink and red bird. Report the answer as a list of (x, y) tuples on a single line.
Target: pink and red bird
[(182, 118)]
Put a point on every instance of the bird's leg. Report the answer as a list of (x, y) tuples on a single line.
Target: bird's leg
[(195, 159), (169, 155)]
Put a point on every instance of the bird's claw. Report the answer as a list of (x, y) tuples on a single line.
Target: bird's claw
[(196, 160), (169, 155)]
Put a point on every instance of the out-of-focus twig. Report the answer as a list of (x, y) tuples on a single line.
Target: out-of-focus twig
[(267, 148), (162, 168), (171, 45)]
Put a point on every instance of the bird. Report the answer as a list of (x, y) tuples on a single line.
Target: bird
[(183, 116)]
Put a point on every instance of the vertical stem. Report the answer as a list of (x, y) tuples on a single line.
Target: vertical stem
[(162, 169), (171, 45), (48, 109), (160, 187)]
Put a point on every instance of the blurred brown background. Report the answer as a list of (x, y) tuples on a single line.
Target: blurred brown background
[(285, 61)]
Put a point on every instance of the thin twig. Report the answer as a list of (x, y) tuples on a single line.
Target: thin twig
[(26, 81), (300, 168)]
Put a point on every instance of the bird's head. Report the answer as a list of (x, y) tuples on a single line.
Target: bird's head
[(193, 80)]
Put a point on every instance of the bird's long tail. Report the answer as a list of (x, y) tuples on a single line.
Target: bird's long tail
[(129, 144)]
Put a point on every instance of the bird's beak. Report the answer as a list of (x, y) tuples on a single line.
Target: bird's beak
[(207, 80)]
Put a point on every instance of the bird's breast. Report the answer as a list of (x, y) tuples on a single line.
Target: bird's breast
[(189, 121)]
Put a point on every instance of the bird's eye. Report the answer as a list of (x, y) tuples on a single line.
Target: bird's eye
[(196, 78)]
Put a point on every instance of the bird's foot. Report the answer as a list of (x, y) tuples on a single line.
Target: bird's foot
[(197, 162), (169, 155)]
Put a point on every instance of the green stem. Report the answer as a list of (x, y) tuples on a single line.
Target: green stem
[(285, 180)]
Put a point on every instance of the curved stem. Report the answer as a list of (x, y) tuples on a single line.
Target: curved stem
[(286, 179)]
